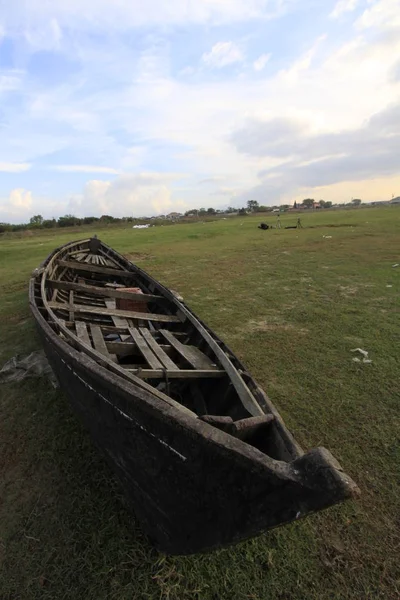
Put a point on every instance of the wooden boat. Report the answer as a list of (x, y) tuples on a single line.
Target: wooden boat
[(203, 455)]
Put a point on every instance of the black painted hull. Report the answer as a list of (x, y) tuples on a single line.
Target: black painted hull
[(190, 490), (192, 486)]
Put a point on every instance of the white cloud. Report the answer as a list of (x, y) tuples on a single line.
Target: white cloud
[(7, 167), (261, 61), (16, 206), (46, 36), (222, 54), (10, 80), (20, 199), (302, 64), (144, 194), (95, 15), (84, 169), (343, 6), (214, 179), (383, 13)]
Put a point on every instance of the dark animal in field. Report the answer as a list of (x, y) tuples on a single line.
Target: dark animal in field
[(263, 226)]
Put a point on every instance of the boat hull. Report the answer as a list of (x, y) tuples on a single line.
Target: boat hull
[(193, 487)]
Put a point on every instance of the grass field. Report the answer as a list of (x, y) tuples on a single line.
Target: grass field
[(291, 304)]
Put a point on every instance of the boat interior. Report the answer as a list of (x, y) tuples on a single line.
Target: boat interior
[(106, 307)]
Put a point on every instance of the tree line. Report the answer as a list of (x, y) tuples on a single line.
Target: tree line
[(38, 222), (253, 206)]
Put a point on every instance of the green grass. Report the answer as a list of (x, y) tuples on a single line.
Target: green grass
[(291, 304)]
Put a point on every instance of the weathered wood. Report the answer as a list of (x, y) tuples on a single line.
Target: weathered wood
[(71, 301), (54, 295), (176, 374), (245, 428), (193, 355), (148, 354), (105, 291), (81, 308), (106, 328), (118, 321), (99, 357), (244, 393), (77, 266), (82, 332), (158, 351), (99, 343), (77, 252)]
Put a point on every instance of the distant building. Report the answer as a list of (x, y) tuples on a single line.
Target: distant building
[(395, 200), (173, 216)]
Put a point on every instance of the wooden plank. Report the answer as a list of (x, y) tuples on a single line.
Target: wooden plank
[(71, 301), (106, 328), (99, 343), (127, 347), (63, 271), (158, 351), (245, 395), (176, 374), (82, 332), (76, 252), (193, 355), (105, 291), (110, 312), (118, 321), (70, 264), (109, 259), (148, 354)]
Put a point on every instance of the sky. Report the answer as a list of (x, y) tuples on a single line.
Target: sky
[(137, 108)]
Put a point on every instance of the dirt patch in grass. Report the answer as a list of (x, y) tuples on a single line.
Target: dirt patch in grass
[(274, 324), (133, 256), (336, 225)]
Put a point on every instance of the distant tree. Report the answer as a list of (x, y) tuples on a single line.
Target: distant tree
[(262, 208), (242, 211), (89, 220), (308, 202), (107, 219), (202, 211), (356, 201), (37, 220), (231, 209), (68, 221), (211, 211), (328, 204), (285, 206), (322, 203), (252, 205), (191, 213), (295, 204), (49, 223)]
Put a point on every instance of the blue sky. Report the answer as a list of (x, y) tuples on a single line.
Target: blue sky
[(131, 108)]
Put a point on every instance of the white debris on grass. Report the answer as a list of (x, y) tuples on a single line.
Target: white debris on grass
[(364, 359)]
